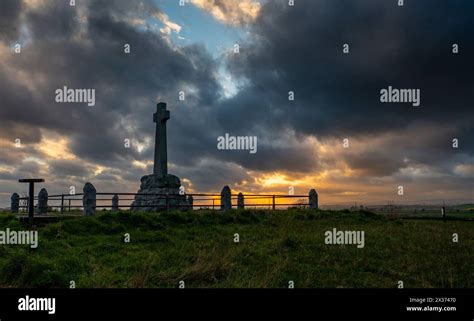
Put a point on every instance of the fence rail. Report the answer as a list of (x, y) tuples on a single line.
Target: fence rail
[(90, 200), (68, 202)]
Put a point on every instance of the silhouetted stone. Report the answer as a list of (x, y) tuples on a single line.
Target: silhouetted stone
[(161, 153), (313, 199), (42, 201), (240, 201), (160, 182), (226, 201), (190, 202), (115, 203), (15, 203), (89, 199)]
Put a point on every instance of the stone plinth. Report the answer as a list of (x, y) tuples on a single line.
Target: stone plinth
[(159, 184)]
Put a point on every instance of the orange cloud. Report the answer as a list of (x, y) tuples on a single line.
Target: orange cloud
[(234, 12)]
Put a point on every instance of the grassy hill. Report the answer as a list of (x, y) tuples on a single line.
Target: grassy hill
[(274, 248)]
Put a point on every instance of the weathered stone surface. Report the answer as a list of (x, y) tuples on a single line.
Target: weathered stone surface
[(226, 201), (89, 199), (115, 203), (165, 184), (15, 203), (240, 201), (161, 154), (160, 181), (42, 207), (313, 199)]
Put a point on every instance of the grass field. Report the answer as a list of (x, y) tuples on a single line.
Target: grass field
[(274, 248)]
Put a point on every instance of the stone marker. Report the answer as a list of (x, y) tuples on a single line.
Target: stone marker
[(160, 182), (115, 203), (89, 199), (190, 202), (313, 199), (42, 201), (15, 203), (226, 202), (240, 201)]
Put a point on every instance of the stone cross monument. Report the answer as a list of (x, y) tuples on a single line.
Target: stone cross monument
[(161, 153), (160, 190)]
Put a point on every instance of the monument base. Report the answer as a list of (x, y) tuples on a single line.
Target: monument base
[(166, 184)]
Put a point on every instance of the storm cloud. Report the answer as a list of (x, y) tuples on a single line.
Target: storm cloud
[(337, 94)]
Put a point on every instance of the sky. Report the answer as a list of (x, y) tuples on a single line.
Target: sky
[(335, 135)]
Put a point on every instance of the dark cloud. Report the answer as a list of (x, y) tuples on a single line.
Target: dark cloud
[(4, 175), (13, 131), (53, 21), (337, 95), (28, 169), (300, 49), (385, 154), (211, 175), (90, 54), (10, 14), (63, 168), (375, 163)]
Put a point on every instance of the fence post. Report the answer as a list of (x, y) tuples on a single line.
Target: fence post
[(62, 203), (69, 208), (273, 202), (167, 203), (31, 203), (31, 195), (190, 202)]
